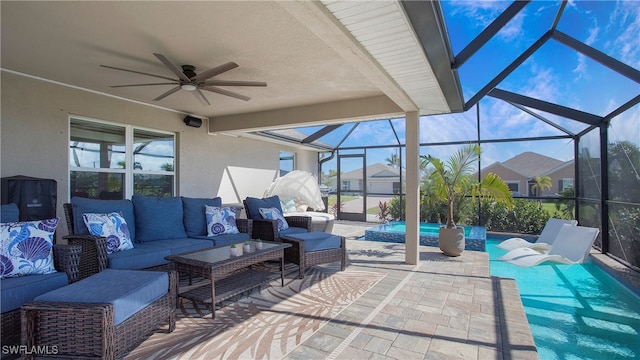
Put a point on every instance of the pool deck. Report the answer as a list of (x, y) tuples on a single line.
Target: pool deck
[(443, 308)]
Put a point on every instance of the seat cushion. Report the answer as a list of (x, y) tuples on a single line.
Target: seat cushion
[(314, 241), (195, 222), (83, 205), (140, 257), (227, 239), (158, 218), (9, 213), (178, 246), (254, 205), (129, 291), (18, 290), (293, 230)]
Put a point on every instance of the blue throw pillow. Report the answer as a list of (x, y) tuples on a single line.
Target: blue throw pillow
[(9, 213), (158, 218), (195, 222), (275, 214), (25, 247), (112, 226), (84, 206), (220, 221), (254, 205)]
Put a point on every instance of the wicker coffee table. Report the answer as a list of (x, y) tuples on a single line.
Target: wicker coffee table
[(229, 275)]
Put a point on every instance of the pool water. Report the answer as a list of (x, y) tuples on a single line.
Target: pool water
[(575, 311), (425, 228), (395, 231)]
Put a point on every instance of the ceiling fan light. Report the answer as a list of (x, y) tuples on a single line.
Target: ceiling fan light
[(188, 87)]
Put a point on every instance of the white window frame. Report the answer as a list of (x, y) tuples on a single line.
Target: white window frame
[(565, 181), (129, 171)]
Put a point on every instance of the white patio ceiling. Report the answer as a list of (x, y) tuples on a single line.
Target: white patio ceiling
[(324, 63)]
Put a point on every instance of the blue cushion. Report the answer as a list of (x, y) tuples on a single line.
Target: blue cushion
[(254, 205), (293, 230), (129, 291), (178, 246), (158, 218), (227, 239), (314, 241), (83, 205), (19, 290), (140, 257), (9, 213), (195, 223)]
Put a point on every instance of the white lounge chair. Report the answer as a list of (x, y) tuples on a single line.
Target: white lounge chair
[(544, 241), (572, 246)]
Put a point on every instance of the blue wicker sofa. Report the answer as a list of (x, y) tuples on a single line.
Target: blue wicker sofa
[(16, 291), (158, 226)]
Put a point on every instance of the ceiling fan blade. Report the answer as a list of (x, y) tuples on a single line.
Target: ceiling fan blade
[(226, 92), (174, 69), (119, 86), (234, 83), (198, 94), (215, 71), (167, 93), (138, 72)]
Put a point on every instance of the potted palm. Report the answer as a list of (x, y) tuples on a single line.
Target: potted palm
[(452, 182)]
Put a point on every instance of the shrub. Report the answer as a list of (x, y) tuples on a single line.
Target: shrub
[(527, 217)]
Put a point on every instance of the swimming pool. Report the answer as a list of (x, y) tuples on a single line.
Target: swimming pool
[(575, 311), (394, 231)]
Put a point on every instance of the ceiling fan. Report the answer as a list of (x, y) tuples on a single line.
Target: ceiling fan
[(190, 81)]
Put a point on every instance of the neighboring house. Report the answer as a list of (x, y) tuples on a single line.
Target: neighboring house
[(520, 171), (380, 179)]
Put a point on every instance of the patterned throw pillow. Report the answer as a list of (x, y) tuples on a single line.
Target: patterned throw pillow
[(25, 247), (220, 220), (113, 227), (275, 214)]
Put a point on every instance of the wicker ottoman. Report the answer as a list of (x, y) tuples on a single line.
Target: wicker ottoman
[(103, 316), (314, 248)]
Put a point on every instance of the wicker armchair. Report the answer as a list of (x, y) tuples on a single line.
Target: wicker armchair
[(66, 258), (94, 248), (267, 230)]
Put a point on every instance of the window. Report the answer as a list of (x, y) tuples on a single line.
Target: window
[(100, 154), (287, 162), (565, 183), (514, 186)]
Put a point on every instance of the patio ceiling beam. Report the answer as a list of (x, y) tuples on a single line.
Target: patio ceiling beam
[(508, 70), (486, 34), (320, 21), (430, 29), (336, 112), (545, 106), (599, 56), (320, 133)]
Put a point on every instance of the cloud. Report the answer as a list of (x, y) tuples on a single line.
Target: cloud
[(484, 12), (626, 16)]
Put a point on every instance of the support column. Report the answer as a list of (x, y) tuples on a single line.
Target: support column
[(412, 237)]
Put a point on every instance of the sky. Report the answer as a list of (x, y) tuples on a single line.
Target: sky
[(555, 73)]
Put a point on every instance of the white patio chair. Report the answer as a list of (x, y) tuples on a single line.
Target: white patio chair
[(572, 246), (544, 241)]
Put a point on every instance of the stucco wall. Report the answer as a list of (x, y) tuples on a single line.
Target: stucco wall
[(34, 129)]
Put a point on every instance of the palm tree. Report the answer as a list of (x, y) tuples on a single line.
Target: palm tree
[(453, 181), (541, 183), (394, 160)]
